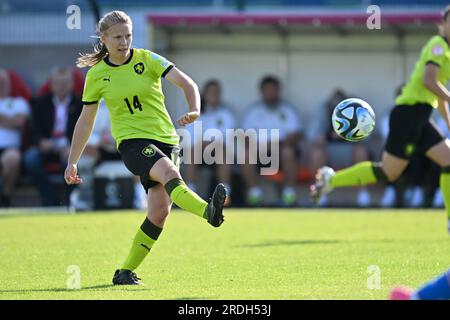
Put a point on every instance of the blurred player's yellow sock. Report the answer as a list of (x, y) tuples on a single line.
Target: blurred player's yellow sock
[(445, 188), (185, 198), (360, 174), (143, 241)]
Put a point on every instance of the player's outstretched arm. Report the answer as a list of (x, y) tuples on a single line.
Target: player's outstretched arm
[(431, 82), (81, 135), (183, 81)]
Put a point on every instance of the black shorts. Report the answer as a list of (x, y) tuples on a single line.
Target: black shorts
[(411, 130), (140, 155)]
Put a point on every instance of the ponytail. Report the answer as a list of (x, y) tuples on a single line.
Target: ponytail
[(100, 50), (444, 15), (91, 59)]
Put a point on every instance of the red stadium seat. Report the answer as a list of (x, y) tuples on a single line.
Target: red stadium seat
[(304, 174), (18, 87)]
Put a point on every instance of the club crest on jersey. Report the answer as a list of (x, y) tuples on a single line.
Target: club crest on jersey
[(139, 68), (148, 151)]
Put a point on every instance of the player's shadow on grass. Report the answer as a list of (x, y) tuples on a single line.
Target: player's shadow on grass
[(287, 243), (102, 286)]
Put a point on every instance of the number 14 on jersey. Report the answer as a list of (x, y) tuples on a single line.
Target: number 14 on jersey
[(136, 104)]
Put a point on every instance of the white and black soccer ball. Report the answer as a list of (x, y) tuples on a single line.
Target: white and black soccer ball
[(353, 119)]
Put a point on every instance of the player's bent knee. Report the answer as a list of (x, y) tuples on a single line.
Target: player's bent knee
[(171, 173), (164, 171)]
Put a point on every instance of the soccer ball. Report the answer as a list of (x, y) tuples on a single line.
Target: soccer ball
[(353, 119)]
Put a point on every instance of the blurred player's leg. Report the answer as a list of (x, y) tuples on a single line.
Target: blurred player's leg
[(249, 174), (360, 174), (440, 154), (444, 182), (289, 162), (437, 289), (360, 153), (366, 172)]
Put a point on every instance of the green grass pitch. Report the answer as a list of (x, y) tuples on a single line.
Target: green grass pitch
[(256, 254)]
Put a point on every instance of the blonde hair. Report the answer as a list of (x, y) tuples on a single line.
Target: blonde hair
[(444, 16), (100, 51), (446, 12)]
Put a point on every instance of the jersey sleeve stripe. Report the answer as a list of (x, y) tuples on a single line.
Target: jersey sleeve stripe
[(167, 70), (432, 62), (89, 102)]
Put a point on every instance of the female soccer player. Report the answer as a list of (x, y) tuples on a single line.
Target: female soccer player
[(129, 80), (410, 128)]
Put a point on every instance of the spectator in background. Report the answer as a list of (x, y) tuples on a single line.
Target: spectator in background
[(13, 115), (53, 121), (274, 113), (329, 149), (438, 200), (214, 115)]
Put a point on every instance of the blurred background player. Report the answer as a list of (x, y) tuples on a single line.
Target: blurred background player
[(215, 115), (13, 115), (274, 113), (437, 289), (438, 200), (145, 135), (416, 185), (54, 116), (330, 149), (410, 128)]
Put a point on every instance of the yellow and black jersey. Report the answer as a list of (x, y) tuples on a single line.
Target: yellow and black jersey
[(132, 91)]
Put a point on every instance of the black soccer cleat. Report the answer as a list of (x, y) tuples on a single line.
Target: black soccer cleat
[(125, 277), (214, 210)]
